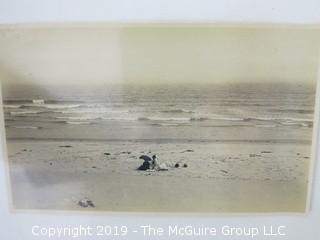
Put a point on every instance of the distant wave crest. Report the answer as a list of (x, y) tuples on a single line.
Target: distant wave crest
[(177, 111), (163, 119), (50, 106), (25, 127), (79, 123), (21, 113), (12, 106)]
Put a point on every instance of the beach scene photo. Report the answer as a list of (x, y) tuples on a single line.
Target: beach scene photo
[(159, 118)]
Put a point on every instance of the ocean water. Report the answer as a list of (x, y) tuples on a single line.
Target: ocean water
[(230, 112)]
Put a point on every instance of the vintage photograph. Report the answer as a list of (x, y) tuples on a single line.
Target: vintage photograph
[(159, 118)]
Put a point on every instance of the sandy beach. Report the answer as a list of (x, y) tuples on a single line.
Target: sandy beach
[(220, 177)]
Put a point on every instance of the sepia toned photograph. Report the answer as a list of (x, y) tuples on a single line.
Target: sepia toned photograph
[(159, 117)]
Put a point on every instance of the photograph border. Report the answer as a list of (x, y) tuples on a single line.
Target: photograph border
[(296, 12)]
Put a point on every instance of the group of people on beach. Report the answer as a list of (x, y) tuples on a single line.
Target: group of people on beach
[(154, 164), (151, 164)]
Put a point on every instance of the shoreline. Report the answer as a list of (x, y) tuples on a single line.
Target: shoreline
[(168, 140)]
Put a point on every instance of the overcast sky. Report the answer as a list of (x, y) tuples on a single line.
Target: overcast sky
[(152, 54)]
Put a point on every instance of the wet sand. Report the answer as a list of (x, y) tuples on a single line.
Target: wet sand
[(219, 178)]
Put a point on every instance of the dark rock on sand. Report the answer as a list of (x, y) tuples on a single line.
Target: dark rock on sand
[(185, 165), (188, 150), (107, 154), (86, 203), (65, 146), (266, 152), (177, 165), (126, 152), (254, 155), (83, 203), (224, 171), (91, 204)]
